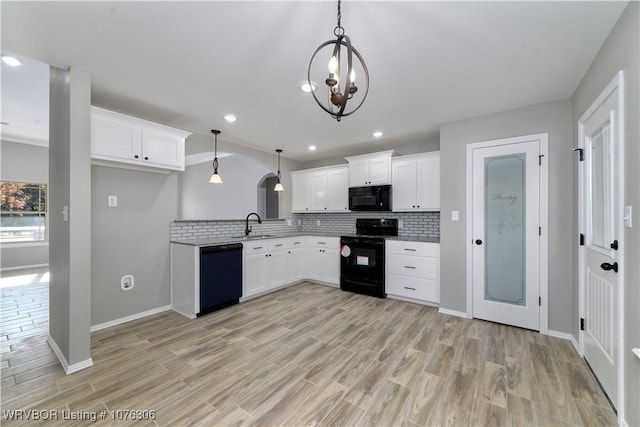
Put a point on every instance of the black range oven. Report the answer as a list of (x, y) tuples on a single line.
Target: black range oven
[(362, 267)]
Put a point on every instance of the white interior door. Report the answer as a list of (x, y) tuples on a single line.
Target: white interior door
[(506, 232), (600, 267)]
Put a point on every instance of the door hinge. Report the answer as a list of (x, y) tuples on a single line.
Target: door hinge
[(539, 231), (540, 159), (582, 323), (581, 239), (539, 300), (581, 153)]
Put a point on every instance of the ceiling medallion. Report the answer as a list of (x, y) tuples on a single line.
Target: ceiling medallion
[(341, 91)]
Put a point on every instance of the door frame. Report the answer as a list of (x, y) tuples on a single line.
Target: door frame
[(617, 83), (543, 139)]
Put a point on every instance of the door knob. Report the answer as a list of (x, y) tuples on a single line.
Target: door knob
[(606, 266), (478, 242)]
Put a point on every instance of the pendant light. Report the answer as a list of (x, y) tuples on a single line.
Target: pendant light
[(278, 186), (341, 88), (215, 177)]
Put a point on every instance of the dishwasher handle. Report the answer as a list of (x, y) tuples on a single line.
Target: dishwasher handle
[(221, 248)]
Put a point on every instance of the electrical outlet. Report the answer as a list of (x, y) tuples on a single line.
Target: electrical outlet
[(112, 201), (289, 223), (127, 282), (455, 216), (400, 224)]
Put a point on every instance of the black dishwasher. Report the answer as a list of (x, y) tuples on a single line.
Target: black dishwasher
[(220, 277)]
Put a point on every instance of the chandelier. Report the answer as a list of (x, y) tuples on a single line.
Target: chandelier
[(341, 90)]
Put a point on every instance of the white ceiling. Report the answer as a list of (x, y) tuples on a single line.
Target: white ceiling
[(186, 64)]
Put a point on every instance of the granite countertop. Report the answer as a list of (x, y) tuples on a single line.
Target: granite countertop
[(240, 239)]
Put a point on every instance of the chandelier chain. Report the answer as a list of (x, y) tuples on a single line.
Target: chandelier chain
[(338, 31)]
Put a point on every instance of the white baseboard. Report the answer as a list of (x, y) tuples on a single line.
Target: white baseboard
[(188, 316), (453, 312), (565, 336), (129, 318), (412, 300), (68, 369), (24, 267)]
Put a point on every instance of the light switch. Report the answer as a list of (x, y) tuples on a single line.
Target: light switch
[(455, 215), (628, 217), (112, 201)]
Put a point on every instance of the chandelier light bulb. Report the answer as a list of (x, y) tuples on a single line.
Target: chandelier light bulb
[(333, 65)]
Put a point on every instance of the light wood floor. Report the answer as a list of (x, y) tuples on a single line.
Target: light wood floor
[(308, 354)]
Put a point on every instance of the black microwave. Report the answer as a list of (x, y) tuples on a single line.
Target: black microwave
[(372, 198)]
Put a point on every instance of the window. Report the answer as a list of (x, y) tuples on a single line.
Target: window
[(23, 212)]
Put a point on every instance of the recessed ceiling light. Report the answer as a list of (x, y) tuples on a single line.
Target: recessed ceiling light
[(10, 60), (312, 148), (230, 118), (377, 134), (307, 87)]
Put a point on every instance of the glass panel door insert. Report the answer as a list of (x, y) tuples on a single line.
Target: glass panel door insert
[(505, 218)]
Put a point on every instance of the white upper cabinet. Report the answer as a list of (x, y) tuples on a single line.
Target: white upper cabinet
[(416, 182), (320, 190), (300, 197), (370, 169), (120, 138), (338, 189)]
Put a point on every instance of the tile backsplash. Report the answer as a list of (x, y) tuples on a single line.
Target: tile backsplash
[(414, 224)]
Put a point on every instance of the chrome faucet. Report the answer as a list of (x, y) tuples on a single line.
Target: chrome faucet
[(247, 229)]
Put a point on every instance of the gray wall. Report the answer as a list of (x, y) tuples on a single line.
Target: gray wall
[(132, 238), (27, 163), (234, 198), (554, 118), (621, 51), (232, 177), (70, 185)]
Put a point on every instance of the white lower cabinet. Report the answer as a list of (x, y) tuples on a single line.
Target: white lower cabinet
[(254, 279), (413, 270), (296, 260), (324, 259), (273, 263)]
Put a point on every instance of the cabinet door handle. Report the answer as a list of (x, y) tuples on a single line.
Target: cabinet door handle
[(322, 243), (411, 289), (410, 266), (257, 247), (136, 156), (279, 244), (409, 249), (146, 158)]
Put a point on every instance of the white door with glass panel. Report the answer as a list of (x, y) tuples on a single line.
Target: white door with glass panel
[(600, 268), (506, 231)]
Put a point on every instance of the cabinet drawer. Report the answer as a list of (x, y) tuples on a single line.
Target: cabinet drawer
[(413, 266), (411, 287), (323, 242), (277, 244), (402, 247), (296, 242), (255, 247)]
